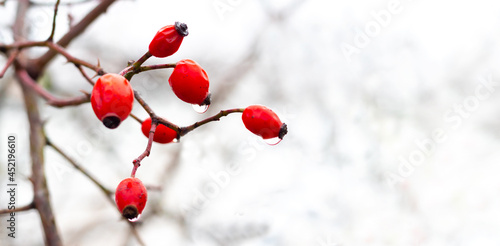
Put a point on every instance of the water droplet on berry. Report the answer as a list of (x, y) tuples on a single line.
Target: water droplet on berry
[(176, 140), (200, 108), (273, 141), (135, 219)]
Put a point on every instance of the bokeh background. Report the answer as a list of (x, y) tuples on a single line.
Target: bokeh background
[(392, 108)]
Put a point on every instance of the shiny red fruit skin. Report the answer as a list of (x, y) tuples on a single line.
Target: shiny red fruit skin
[(163, 134), (262, 121), (190, 82), (168, 40), (131, 192), (112, 97)]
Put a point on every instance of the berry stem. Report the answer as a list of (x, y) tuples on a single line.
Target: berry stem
[(153, 67), (130, 71), (144, 104), (137, 161), (133, 69), (222, 113), (136, 118)]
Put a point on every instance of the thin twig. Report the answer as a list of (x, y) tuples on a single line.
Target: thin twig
[(168, 124), (84, 74), (51, 100), (107, 192), (136, 233), (136, 118), (56, 8), (144, 104), (56, 48), (222, 113), (129, 71), (36, 3), (11, 59), (59, 49), (23, 44), (137, 161), (36, 66), (18, 209)]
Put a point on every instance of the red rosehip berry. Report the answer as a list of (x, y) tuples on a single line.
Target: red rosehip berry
[(112, 99), (190, 82), (168, 40), (263, 122), (131, 197), (163, 134)]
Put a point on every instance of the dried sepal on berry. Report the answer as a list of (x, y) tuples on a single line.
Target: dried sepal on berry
[(263, 122), (168, 40), (131, 197)]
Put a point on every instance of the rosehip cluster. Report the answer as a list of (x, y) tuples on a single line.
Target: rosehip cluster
[(112, 100)]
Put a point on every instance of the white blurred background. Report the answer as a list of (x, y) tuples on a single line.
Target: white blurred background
[(392, 109)]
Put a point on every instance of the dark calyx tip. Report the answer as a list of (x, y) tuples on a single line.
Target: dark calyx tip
[(283, 131), (130, 212), (111, 122), (207, 100), (181, 28)]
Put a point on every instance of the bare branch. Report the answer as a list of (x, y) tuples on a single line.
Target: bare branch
[(56, 48), (18, 209), (84, 74), (41, 197), (23, 44), (64, 3), (36, 66), (11, 59), (40, 189), (136, 233), (136, 118), (129, 71), (136, 67), (59, 49), (56, 8), (222, 113), (25, 79), (137, 161), (144, 104), (107, 192)]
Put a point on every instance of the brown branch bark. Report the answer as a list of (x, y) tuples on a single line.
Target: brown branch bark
[(18, 209), (222, 113), (35, 67), (41, 196), (40, 189), (27, 81)]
